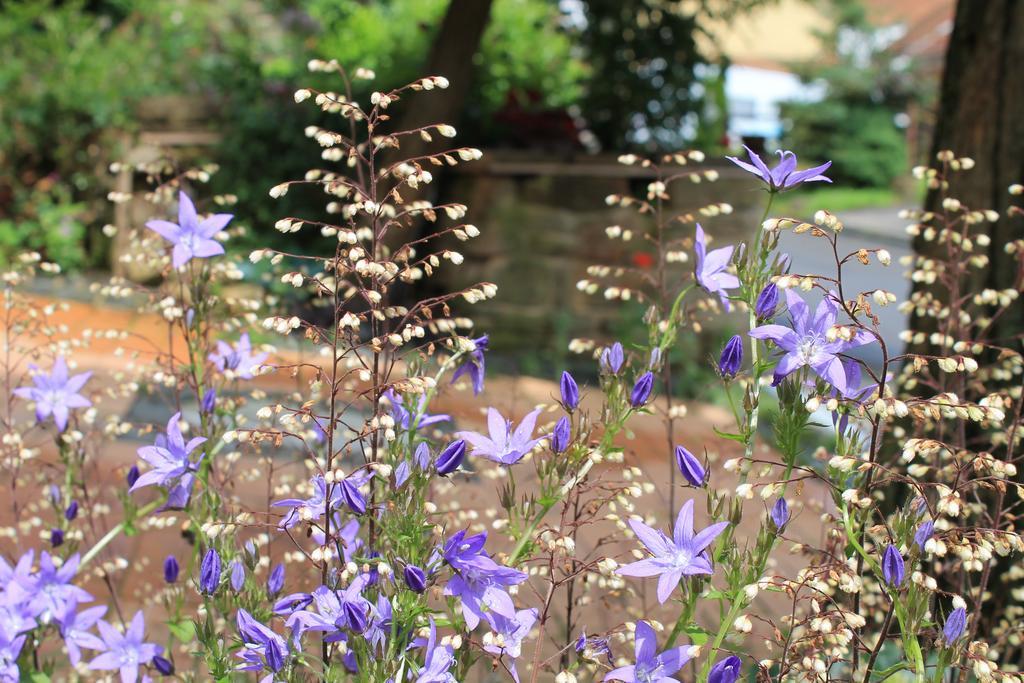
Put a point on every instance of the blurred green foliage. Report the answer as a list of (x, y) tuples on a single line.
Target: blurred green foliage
[(867, 87)]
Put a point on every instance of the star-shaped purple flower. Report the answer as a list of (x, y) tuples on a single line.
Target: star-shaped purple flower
[(312, 508), (505, 445), (171, 463), (403, 418), (510, 636), (650, 666), (238, 358), (479, 581), (262, 649), (474, 365), (437, 661), (711, 268), (673, 558), (191, 237), (126, 651), (75, 628), (806, 342), (784, 176), (55, 394)]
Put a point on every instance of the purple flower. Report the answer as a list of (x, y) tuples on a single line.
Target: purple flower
[(415, 578), (75, 630), (191, 237), (164, 666), (690, 467), (474, 365), (402, 416), (275, 582), (292, 603), (956, 622), (782, 177), (593, 647), (132, 475), (726, 671), (806, 343), (892, 566), (612, 358), (49, 592), (650, 667), (10, 652), (55, 394), (238, 359), (710, 268), (379, 629), (561, 435), (170, 569), (732, 357), (209, 572), (262, 649), (505, 445), (353, 497), (335, 610), (71, 511), (512, 632), (125, 652), (923, 533), (449, 459), (421, 456), (56, 537), (642, 390), (672, 558), (312, 508), (479, 581), (767, 302), (237, 576), (209, 401), (780, 513), (171, 465), (437, 661), (570, 391)]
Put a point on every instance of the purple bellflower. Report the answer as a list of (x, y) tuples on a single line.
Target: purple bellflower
[(570, 391), (237, 576), (402, 416), (593, 647), (505, 445), (784, 176), (437, 661), (691, 468), (75, 628), (892, 567), (125, 652), (511, 634), (642, 390), (336, 610), (451, 457), (191, 237), (415, 578), (49, 592), (806, 343), (479, 581), (711, 268), (171, 569), (672, 558), (767, 302), (209, 572), (732, 357), (561, 435), (956, 622), (474, 365), (650, 666), (239, 358), (312, 508), (55, 394), (612, 358), (275, 582), (262, 649), (10, 651), (923, 533), (780, 513), (726, 671), (172, 467)]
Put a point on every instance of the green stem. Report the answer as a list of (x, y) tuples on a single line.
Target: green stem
[(115, 532)]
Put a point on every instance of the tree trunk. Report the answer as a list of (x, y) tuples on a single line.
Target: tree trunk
[(981, 116)]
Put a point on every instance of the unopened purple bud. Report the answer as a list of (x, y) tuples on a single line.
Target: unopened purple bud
[(275, 582), (956, 622), (451, 457), (237, 576), (355, 616), (655, 362), (170, 569), (55, 494), (767, 302), (892, 566), (612, 358), (132, 476), (726, 671), (354, 498), (732, 357), (923, 533), (422, 455), (275, 655), (190, 316), (780, 513), (642, 390), (570, 392), (209, 401), (415, 579), (561, 435), (690, 467), (56, 537), (209, 572), (164, 666), (351, 662), (71, 511)]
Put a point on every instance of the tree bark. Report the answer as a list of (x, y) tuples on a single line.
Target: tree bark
[(981, 116)]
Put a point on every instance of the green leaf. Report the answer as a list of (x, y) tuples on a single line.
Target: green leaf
[(738, 438), (182, 630), (698, 636)]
